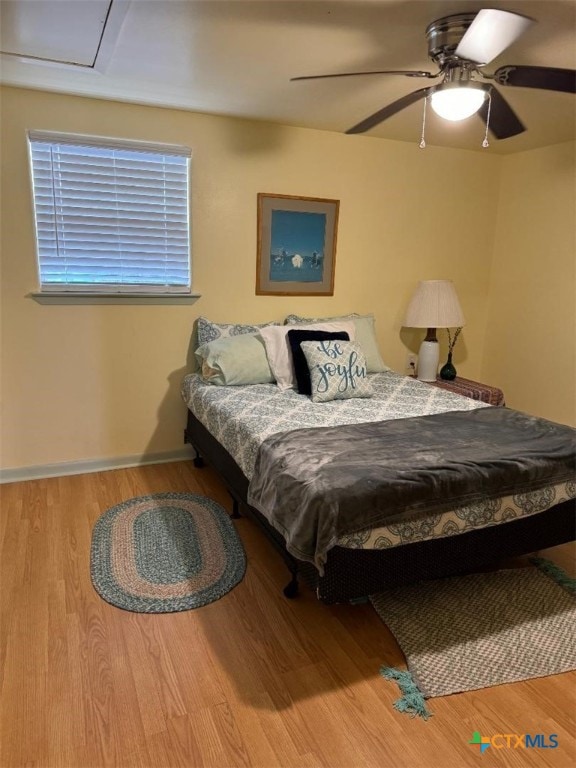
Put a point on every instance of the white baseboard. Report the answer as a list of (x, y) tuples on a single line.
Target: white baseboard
[(92, 465)]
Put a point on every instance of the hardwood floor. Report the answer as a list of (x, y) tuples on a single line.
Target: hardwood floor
[(250, 680)]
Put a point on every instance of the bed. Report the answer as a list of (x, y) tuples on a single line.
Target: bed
[(229, 425)]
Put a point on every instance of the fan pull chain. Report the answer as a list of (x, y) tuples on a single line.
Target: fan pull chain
[(486, 143), (422, 144)]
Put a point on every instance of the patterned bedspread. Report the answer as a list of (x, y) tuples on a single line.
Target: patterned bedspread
[(242, 417)]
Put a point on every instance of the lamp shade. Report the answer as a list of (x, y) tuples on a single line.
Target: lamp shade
[(434, 305)]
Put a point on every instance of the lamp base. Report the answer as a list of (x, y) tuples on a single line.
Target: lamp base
[(428, 358)]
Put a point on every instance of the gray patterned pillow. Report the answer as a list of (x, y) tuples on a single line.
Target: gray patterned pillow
[(209, 331), (337, 370)]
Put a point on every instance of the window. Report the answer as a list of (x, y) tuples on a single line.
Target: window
[(111, 216)]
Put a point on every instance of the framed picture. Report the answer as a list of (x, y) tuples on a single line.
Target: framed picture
[(296, 245)]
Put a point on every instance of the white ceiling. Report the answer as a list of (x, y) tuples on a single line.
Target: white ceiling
[(236, 57)]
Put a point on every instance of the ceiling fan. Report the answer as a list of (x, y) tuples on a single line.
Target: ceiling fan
[(460, 45)]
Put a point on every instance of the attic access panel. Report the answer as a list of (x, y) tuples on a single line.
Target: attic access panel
[(59, 31)]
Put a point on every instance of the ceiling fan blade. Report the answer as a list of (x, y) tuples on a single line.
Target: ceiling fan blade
[(545, 78), (504, 122), (407, 72), (490, 33), (389, 110)]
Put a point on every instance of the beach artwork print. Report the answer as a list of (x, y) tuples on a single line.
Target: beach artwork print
[(296, 245)]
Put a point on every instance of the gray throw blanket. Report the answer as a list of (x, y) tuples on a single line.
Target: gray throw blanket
[(315, 485)]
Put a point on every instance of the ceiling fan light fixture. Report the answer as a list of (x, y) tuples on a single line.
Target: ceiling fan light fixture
[(457, 102)]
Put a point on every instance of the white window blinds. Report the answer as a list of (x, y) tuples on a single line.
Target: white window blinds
[(111, 216)]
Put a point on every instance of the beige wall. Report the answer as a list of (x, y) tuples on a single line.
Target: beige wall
[(530, 348), (96, 382)]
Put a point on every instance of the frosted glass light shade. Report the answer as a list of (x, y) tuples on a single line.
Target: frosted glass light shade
[(457, 103), (434, 305)]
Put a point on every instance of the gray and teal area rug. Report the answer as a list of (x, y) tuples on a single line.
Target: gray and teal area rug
[(165, 552), (475, 631)]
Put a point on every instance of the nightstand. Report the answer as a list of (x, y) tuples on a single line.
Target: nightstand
[(472, 389)]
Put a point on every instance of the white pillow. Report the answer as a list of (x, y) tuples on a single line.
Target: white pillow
[(365, 336), (278, 347)]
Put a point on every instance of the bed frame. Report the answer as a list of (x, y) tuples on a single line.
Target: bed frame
[(352, 574)]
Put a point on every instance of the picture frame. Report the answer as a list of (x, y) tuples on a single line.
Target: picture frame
[(296, 245)]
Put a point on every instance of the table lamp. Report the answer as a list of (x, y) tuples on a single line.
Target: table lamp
[(433, 305)]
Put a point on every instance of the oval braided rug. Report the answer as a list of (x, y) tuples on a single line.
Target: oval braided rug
[(165, 552)]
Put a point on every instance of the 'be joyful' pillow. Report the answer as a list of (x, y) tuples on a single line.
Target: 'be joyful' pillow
[(337, 370)]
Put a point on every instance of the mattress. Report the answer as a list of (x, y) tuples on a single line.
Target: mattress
[(242, 417)]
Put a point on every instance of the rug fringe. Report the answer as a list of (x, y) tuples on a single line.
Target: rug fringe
[(412, 701), (555, 572)]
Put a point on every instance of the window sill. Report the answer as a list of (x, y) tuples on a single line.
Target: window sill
[(68, 297)]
